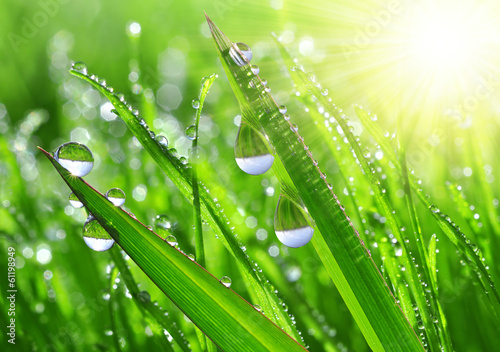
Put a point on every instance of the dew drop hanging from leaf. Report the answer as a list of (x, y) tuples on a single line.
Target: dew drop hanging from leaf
[(95, 236), (240, 53), (251, 152), (75, 157), (116, 196), (74, 201), (290, 224)]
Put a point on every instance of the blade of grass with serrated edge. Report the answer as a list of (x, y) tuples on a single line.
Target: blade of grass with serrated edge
[(338, 245), (147, 306), (458, 238), (228, 320), (260, 290)]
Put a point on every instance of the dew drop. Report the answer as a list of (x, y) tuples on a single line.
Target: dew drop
[(75, 157), (282, 109), (74, 201), (255, 69), (171, 240), (144, 296), (191, 132), (251, 152), (257, 308), (195, 104), (290, 224), (116, 196), (191, 256), (96, 237), (79, 67), (163, 226), (324, 92), (226, 281), (162, 140), (240, 53)]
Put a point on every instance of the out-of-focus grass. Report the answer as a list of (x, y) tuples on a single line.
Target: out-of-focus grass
[(62, 301)]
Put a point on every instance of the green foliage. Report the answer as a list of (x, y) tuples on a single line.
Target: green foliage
[(386, 259)]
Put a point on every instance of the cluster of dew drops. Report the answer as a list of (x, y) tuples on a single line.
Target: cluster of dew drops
[(252, 155), (78, 160)]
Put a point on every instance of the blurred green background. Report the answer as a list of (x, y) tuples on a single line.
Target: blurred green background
[(359, 50)]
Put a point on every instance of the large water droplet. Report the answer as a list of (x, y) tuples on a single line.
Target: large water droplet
[(79, 67), (96, 237), (191, 132), (240, 53), (75, 157), (116, 196), (290, 224), (74, 201), (162, 140), (171, 240), (226, 281), (251, 152)]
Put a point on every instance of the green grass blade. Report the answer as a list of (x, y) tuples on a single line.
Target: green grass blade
[(229, 321), (339, 246), (260, 289)]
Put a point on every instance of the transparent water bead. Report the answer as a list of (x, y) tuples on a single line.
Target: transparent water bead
[(171, 240), (226, 281), (282, 109), (290, 224), (79, 67), (163, 226), (116, 196), (255, 69), (240, 53), (251, 152), (195, 104), (74, 201), (162, 140), (191, 132), (96, 237), (75, 157)]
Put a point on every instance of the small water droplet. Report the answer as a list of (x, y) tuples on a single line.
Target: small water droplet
[(116, 196), (290, 224), (251, 152), (226, 281), (311, 77), (286, 117), (162, 140), (144, 296), (120, 97), (282, 109), (240, 53), (80, 67), (75, 157), (434, 209), (324, 91), (96, 237), (191, 256), (74, 201), (257, 308), (171, 240), (163, 226), (255, 69), (191, 132), (263, 81), (195, 104)]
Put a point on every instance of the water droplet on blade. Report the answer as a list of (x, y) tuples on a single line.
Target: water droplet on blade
[(240, 53), (251, 152), (163, 226), (196, 104), (96, 237), (75, 157), (79, 67), (191, 132), (226, 281), (290, 224), (162, 140), (282, 109), (74, 201), (255, 69), (171, 240), (116, 196)]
